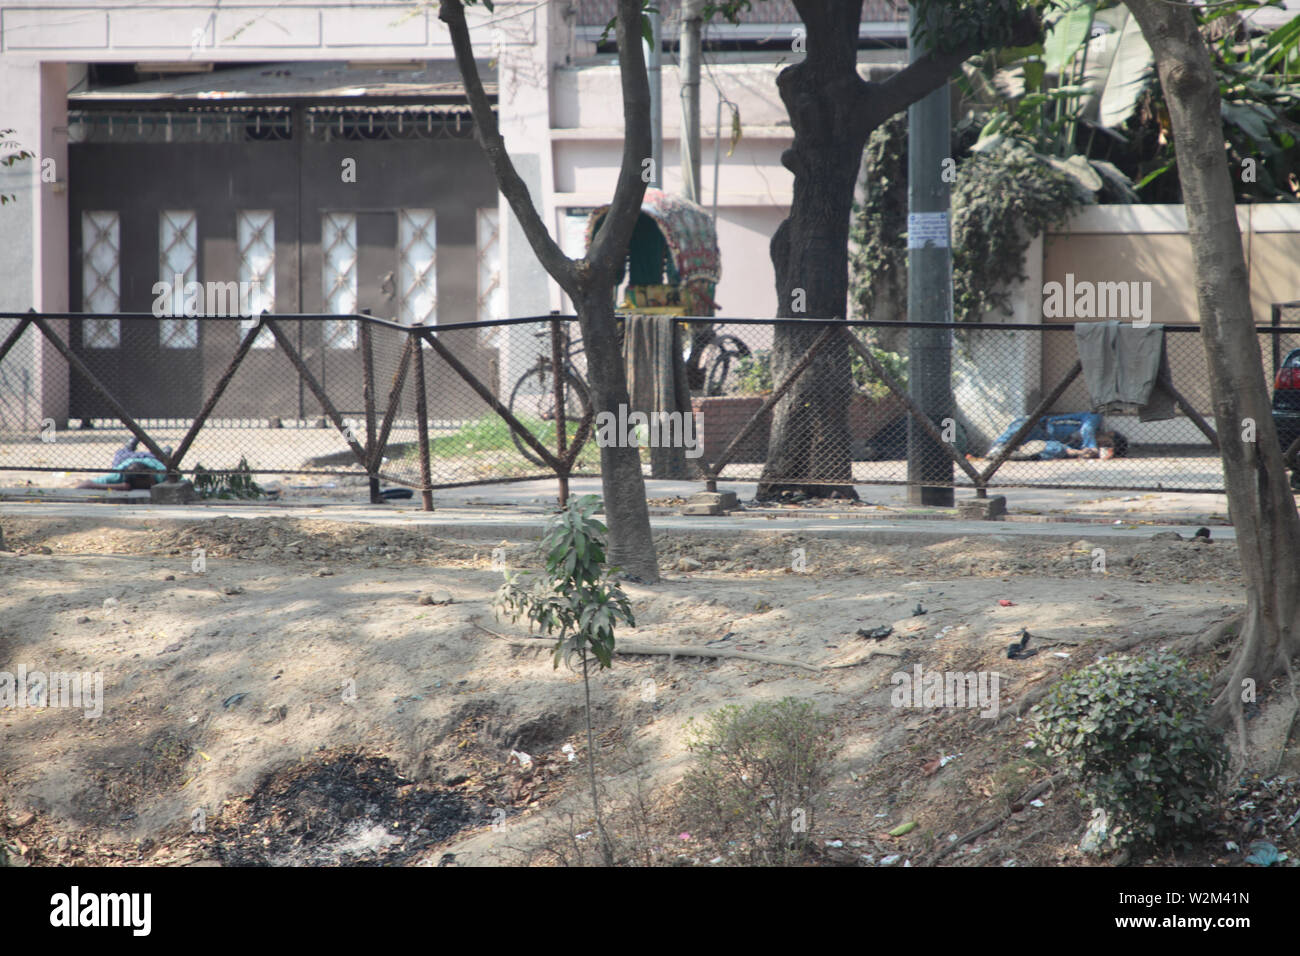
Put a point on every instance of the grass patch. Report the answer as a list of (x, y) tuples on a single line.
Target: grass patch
[(490, 434)]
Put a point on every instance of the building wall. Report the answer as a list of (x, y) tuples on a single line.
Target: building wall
[(1150, 244)]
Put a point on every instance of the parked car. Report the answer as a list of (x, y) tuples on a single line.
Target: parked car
[(1286, 401)]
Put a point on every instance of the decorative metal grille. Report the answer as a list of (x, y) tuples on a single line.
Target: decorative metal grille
[(178, 264), (214, 125), (327, 124), (101, 284), (269, 124), (338, 242), (491, 296), (255, 236), (417, 267)]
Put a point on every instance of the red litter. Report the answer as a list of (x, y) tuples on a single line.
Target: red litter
[(1005, 603)]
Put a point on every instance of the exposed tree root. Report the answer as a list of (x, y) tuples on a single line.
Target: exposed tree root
[(1030, 794), (633, 649), (1211, 637)]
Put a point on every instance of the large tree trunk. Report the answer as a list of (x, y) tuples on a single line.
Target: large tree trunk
[(589, 282), (631, 546), (832, 111), (1262, 505), (810, 445)]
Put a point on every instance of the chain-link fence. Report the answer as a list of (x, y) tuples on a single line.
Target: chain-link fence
[(1006, 405), (786, 403), (107, 397)]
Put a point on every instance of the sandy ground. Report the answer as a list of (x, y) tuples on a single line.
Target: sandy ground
[(299, 637)]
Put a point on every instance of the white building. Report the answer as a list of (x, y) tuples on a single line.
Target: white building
[(558, 109)]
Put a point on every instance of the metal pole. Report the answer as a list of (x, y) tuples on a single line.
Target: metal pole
[(422, 420), (717, 157), (558, 358), (368, 394), (929, 288), (692, 20), (656, 102)]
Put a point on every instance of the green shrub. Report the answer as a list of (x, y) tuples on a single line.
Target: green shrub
[(1136, 733), (758, 779), (578, 598), (753, 375), (227, 484)]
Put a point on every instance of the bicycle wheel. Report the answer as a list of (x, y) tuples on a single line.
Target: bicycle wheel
[(533, 400), (718, 358)]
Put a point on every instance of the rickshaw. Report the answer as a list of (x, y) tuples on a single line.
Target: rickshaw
[(673, 266)]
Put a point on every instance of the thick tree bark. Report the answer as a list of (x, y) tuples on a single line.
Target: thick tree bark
[(630, 541), (832, 112), (810, 433), (589, 282), (1261, 502)]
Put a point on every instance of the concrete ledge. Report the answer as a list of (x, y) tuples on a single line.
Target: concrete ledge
[(173, 493), (711, 503), (982, 509)]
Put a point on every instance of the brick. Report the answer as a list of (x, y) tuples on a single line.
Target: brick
[(172, 493), (726, 500), (983, 509)]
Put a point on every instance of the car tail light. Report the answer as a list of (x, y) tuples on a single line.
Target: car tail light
[(1287, 378)]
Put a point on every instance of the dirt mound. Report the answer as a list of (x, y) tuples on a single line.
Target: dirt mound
[(343, 809)]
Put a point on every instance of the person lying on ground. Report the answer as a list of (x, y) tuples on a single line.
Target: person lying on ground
[(127, 461)]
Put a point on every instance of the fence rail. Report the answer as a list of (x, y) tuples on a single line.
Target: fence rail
[(787, 403)]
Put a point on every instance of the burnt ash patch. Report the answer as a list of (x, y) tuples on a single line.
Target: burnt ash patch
[(342, 809)]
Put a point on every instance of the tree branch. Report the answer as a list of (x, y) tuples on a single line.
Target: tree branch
[(609, 246), (931, 71), (557, 264)]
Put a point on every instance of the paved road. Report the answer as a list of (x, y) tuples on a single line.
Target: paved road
[(520, 510)]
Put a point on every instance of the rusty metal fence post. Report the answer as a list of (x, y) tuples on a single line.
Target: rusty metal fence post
[(559, 360), (422, 424)]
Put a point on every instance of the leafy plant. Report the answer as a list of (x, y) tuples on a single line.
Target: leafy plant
[(1136, 733), (895, 363), (753, 375), (759, 777), (578, 602), (10, 159), (227, 484), (1002, 198)]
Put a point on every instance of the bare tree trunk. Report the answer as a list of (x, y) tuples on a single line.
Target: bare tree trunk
[(809, 450), (832, 111), (1262, 504), (631, 546), (589, 282)]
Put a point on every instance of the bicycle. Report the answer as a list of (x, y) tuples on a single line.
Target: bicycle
[(711, 359), (708, 363), (533, 394)]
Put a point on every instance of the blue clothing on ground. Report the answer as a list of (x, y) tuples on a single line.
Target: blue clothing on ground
[(1059, 431), (119, 477), (126, 452)]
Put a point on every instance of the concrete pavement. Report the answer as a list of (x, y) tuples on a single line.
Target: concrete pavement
[(520, 510)]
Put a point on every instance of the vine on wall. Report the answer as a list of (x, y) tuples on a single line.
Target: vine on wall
[(1001, 199)]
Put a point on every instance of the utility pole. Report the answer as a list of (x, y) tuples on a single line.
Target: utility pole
[(654, 73), (692, 21), (929, 288)]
